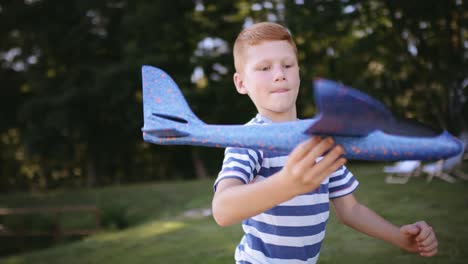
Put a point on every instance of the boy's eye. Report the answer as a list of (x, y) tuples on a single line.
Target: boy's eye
[(264, 68)]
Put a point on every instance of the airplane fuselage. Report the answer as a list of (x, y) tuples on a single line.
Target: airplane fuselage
[(283, 137)]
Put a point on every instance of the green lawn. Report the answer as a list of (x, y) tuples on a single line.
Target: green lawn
[(160, 230)]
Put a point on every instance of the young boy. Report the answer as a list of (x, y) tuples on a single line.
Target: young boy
[(283, 201)]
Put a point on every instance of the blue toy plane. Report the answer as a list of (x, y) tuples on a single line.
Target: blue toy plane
[(358, 122)]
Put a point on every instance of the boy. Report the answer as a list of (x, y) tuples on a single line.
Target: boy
[(283, 201)]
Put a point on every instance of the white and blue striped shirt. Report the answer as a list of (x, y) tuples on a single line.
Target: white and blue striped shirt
[(293, 231)]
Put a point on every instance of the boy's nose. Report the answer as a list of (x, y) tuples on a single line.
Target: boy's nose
[(279, 74)]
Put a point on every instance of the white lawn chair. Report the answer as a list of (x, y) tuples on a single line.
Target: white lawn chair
[(464, 139), (401, 171), (436, 169), (443, 168), (447, 169)]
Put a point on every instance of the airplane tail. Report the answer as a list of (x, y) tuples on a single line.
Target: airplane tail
[(165, 109)]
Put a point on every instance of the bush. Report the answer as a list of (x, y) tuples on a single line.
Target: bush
[(115, 216)]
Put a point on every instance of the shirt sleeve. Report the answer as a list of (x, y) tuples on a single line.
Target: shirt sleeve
[(342, 182), (240, 163)]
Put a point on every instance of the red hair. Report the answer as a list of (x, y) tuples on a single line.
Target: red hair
[(256, 34)]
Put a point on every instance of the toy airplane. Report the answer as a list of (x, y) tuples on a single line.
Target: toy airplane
[(362, 125)]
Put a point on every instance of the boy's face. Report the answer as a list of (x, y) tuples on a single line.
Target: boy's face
[(270, 76)]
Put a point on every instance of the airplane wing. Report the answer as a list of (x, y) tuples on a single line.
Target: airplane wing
[(349, 112)]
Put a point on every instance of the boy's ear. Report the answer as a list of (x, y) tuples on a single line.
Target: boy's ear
[(239, 83)]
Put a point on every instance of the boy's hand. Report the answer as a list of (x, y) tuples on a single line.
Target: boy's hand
[(302, 173), (420, 238)]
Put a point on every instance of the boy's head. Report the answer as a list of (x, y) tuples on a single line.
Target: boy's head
[(267, 70), (256, 34)]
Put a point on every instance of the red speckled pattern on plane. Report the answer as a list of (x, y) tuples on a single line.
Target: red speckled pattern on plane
[(358, 122)]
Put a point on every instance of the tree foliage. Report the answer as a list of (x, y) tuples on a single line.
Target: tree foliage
[(71, 100)]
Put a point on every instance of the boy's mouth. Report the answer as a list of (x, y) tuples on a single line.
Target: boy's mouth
[(282, 90)]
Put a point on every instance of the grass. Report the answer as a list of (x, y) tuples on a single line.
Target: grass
[(160, 231)]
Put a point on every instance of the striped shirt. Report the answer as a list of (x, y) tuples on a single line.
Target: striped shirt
[(293, 231)]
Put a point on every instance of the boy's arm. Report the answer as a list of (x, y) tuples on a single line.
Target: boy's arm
[(418, 237), (234, 201)]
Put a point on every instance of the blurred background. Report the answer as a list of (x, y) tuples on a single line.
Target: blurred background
[(71, 105), (71, 99)]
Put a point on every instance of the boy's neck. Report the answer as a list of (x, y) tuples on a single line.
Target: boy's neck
[(280, 117)]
